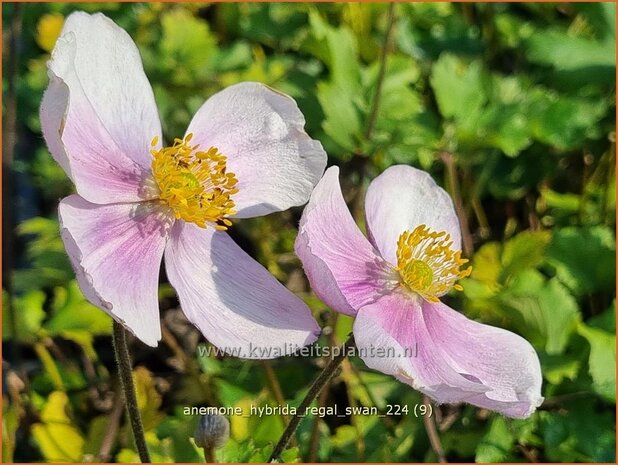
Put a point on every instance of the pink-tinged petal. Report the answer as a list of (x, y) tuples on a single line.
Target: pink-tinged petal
[(98, 114), (235, 302), (261, 132), (116, 252), (53, 117), (499, 359), (392, 337), (344, 269), (402, 198), (449, 357)]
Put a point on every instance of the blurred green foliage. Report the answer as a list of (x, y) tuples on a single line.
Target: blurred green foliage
[(510, 106)]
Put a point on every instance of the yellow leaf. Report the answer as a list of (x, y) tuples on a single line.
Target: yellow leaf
[(58, 439), (148, 398), (48, 30), (239, 424)]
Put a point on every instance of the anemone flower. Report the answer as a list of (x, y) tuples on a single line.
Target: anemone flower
[(245, 154), (392, 284)]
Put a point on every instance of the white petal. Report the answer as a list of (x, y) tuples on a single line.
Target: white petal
[(450, 358), (261, 132), (402, 198), (235, 302), (98, 114), (344, 270), (116, 252)]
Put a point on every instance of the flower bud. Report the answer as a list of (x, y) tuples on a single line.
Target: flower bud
[(212, 431)]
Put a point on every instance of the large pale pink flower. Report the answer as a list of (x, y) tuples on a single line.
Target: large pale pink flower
[(392, 284), (245, 154)]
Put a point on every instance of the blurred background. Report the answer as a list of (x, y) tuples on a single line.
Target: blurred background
[(511, 107)]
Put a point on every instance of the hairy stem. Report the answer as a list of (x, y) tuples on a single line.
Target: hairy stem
[(125, 372), (319, 383)]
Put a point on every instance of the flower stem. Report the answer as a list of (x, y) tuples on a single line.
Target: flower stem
[(209, 455), (375, 104), (432, 433), (123, 360), (319, 383), (455, 191)]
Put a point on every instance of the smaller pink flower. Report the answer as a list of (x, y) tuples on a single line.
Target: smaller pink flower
[(392, 284), (245, 154)]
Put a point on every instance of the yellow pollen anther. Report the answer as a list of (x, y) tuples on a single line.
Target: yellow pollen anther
[(427, 264), (193, 183)]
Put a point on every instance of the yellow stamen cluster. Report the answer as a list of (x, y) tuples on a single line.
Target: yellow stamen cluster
[(194, 184), (427, 264)]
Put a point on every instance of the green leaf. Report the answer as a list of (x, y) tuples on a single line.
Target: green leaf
[(96, 434), (458, 86), (73, 313), (47, 175), (602, 360), (399, 100), (545, 310), (606, 320), (344, 436), (494, 264), (49, 264), (338, 49), (208, 363), (523, 252), (237, 55), (563, 201), (584, 258), (462, 442), (230, 392), (496, 444), (580, 434), (487, 263), (28, 313), (564, 121), (337, 96), (566, 52), (237, 452), (557, 368), (187, 45), (343, 326), (52, 370), (602, 17), (265, 429), (505, 127), (180, 429), (342, 122), (290, 455)]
